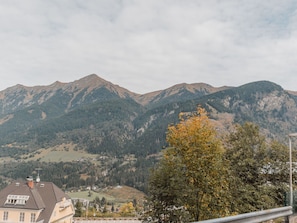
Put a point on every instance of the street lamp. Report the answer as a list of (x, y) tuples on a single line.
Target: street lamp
[(291, 174)]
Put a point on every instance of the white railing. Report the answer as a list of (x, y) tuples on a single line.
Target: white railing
[(255, 217)]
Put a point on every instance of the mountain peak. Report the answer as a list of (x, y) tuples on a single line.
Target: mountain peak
[(92, 80), (194, 87), (195, 90)]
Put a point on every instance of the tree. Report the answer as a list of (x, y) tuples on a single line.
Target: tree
[(97, 200), (112, 207), (192, 174), (103, 201), (277, 170), (166, 192), (78, 209), (127, 209), (259, 169), (246, 153)]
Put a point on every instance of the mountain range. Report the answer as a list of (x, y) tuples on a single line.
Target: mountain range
[(99, 117)]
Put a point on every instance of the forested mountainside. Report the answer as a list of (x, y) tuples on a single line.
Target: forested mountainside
[(92, 113), (95, 116)]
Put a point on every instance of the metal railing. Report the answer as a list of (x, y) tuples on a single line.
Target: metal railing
[(294, 202), (255, 217)]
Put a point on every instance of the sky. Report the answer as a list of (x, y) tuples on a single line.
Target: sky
[(149, 45)]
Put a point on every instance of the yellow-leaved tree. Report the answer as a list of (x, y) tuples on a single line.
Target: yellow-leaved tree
[(195, 175), (127, 209)]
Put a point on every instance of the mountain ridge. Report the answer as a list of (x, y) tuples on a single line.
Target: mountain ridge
[(88, 84), (33, 111), (93, 89), (127, 131)]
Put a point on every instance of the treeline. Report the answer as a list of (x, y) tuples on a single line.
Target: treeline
[(205, 174), (67, 175)]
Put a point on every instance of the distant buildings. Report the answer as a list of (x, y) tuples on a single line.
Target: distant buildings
[(35, 202)]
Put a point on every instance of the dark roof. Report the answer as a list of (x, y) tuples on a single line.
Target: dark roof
[(43, 196)]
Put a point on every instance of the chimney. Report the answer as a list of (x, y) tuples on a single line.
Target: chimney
[(30, 182)]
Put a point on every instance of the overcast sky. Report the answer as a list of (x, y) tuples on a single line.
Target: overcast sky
[(148, 45)]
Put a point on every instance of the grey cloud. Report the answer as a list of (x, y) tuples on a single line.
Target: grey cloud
[(148, 45)]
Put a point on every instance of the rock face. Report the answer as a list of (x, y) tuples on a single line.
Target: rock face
[(101, 117)]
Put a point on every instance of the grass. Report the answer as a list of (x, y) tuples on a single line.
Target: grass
[(85, 195), (61, 153), (124, 193), (119, 194)]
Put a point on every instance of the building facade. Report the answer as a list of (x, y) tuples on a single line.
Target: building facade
[(35, 202)]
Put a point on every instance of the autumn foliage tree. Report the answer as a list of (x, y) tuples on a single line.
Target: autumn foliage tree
[(195, 177), (127, 209)]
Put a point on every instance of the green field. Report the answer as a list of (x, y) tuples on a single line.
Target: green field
[(85, 195), (65, 156), (118, 194), (61, 153)]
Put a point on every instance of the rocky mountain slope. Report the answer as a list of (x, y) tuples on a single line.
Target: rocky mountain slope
[(101, 117)]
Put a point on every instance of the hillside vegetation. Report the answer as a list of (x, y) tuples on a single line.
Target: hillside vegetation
[(92, 132)]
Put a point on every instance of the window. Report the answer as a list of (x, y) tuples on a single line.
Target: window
[(16, 199), (5, 216), (33, 216), (22, 217)]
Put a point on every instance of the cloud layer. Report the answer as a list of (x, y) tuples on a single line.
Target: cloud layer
[(149, 45)]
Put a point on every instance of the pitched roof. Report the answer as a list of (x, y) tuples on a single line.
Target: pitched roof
[(43, 196)]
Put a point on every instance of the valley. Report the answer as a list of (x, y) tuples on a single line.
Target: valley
[(91, 132)]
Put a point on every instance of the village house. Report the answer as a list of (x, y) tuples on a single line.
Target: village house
[(35, 202)]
